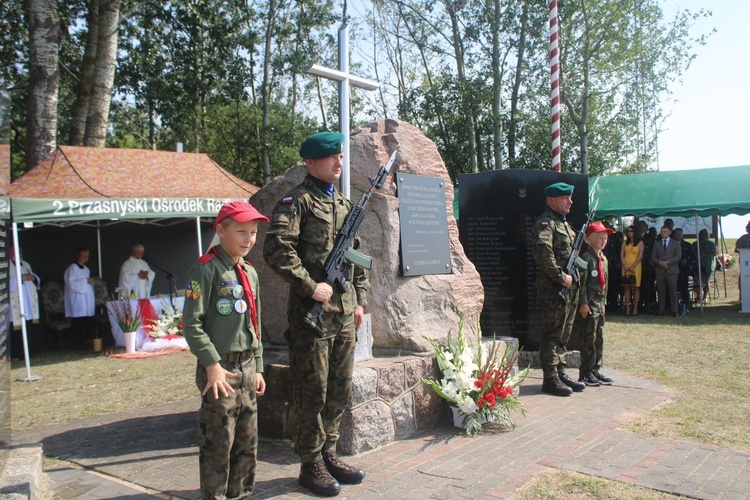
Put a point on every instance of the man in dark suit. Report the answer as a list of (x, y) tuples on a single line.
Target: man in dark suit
[(665, 258)]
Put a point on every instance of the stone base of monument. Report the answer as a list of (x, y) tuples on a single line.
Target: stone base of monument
[(389, 401), (531, 359)]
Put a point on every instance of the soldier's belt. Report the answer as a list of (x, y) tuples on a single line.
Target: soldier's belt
[(237, 357)]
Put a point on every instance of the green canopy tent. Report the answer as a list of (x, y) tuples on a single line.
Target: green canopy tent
[(99, 187), (686, 193), (702, 192)]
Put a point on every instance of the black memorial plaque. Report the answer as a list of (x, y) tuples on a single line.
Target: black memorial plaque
[(423, 217), (497, 210)]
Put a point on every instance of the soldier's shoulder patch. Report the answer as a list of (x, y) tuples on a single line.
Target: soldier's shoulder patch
[(544, 224), (287, 200), (193, 290)]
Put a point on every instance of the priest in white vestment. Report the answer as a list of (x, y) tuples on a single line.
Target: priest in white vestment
[(136, 275), (80, 303), (30, 296)]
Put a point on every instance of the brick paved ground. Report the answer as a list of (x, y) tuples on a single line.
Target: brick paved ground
[(150, 453)]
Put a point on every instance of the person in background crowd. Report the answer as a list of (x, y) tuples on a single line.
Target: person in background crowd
[(592, 309), (552, 245), (136, 275), (742, 242), (707, 257), (612, 252), (686, 267), (665, 256), (631, 254), (303, 230), (30, 296), (647, 270), (79, 297)]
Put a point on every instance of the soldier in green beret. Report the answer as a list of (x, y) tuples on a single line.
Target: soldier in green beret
[(303, 230), (552, 245)]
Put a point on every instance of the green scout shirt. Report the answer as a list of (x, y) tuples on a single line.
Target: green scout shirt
[(591, 292), (212, 324), (552, 244), (303, 230)]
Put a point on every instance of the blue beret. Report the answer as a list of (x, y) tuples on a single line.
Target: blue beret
[(321, 145), (558, 189)]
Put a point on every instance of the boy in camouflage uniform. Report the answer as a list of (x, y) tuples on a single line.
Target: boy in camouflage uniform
[(592, 301), (221, 318), (303, 230), (552, 245)]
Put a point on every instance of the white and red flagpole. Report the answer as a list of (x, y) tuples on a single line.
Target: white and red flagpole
[(554, 62)]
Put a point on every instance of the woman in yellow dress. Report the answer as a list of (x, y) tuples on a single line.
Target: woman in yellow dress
[(631, 255)]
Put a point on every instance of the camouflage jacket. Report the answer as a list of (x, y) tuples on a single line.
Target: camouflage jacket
[(552, 244), (591, 292), (303, 230)]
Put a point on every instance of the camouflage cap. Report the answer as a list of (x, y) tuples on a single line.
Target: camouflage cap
[(321, 145), (558, 189)]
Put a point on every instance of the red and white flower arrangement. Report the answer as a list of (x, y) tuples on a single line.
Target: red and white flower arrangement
[(480, 381)]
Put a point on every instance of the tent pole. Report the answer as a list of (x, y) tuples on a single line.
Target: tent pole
[(723, 251), (99, 246), (198, 232), (700, 277), (22, 311)]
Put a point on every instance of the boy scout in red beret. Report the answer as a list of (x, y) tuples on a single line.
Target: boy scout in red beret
[(221, 318), (592, 299)]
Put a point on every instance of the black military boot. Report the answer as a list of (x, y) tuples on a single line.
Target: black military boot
[(603, 379), (343, 472), (576, 386), (316, 478), (589, 380), (553, 386)]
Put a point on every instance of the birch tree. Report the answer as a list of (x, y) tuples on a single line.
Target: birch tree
[(44, 79)]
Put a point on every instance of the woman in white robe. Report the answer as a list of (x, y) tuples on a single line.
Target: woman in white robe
[(80, 303), (30, 295)]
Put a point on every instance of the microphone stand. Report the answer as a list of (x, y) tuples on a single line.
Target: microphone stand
[(170, 277)]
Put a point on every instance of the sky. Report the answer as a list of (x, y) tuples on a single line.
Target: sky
[(708, 126), (708, 111)]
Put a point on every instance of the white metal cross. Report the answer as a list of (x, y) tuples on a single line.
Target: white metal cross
[(345, 79)]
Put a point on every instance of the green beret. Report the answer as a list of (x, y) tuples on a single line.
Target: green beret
[(321, 145), (558, 189)]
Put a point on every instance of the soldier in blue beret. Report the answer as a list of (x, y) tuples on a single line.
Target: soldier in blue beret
[(552, 245), (304, 226)]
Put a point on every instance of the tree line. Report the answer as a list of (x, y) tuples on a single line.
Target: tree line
[(227, 77)]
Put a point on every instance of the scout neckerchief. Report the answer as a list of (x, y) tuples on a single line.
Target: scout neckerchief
[(242, 277), (599, 268)]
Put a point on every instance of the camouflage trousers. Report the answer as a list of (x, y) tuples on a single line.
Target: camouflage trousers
[(557, 325), (322, 377), (228, 432), (591, 333)]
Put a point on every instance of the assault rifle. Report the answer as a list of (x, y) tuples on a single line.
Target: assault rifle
[(575, 261), (342, 256)]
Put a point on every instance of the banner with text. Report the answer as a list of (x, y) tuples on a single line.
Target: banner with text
[(66, 209)]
